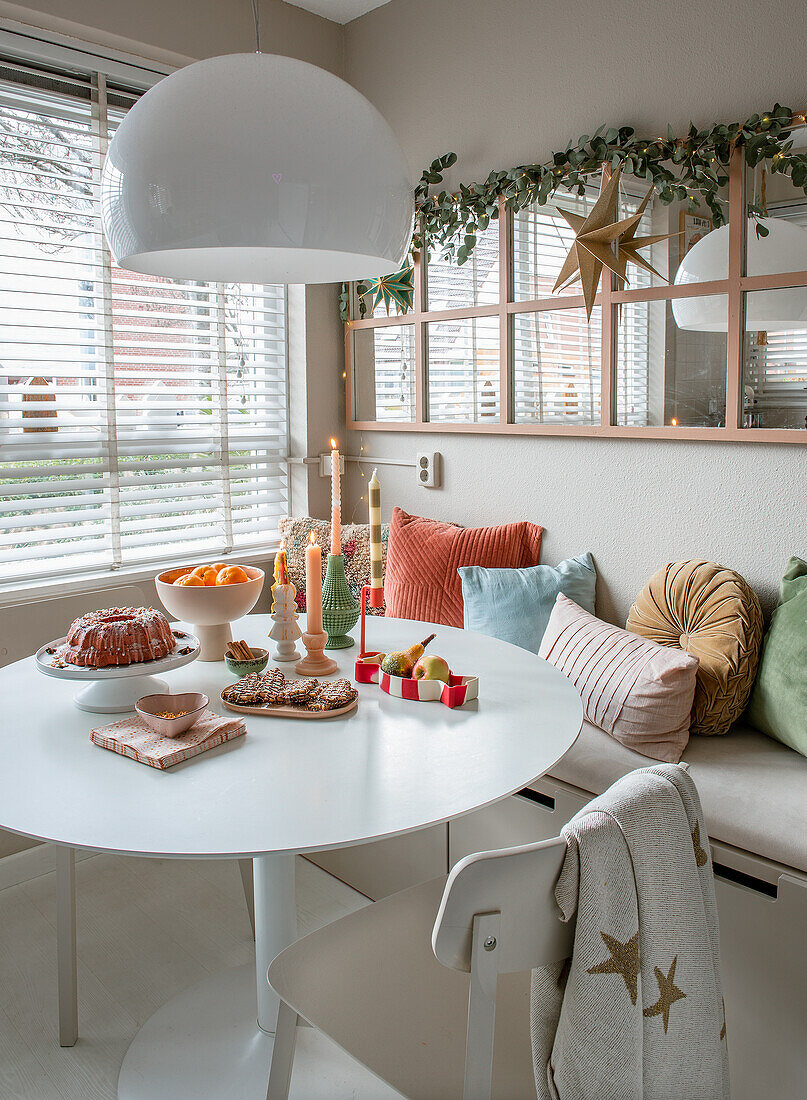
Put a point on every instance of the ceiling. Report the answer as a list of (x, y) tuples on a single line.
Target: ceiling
[(338, 11)]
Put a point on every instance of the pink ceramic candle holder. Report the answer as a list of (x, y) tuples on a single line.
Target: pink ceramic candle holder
[(315, 663)]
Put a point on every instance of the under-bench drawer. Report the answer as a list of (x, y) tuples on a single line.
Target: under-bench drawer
[(538, 812), (762, 909)]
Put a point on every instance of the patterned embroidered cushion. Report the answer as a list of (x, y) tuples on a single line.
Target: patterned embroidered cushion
[(712, 613), (355, 547), (636, 691), (422, 581)]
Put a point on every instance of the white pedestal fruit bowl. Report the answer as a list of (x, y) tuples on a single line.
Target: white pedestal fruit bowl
[(210, 609)]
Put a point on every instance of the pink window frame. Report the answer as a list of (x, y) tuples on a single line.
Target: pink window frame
[(736, 286)]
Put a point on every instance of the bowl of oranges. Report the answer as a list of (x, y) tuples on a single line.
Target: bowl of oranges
[(210, 597)]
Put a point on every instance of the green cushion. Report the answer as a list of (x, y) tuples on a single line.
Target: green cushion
[(779, 701)]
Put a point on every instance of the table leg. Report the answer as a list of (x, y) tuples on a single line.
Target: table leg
[(275, 925), (66, 945), (245, 869), (216, 1038)]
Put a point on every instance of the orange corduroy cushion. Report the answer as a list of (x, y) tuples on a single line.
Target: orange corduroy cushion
[(423, 556)]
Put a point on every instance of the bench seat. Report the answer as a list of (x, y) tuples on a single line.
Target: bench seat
[(753, 789)]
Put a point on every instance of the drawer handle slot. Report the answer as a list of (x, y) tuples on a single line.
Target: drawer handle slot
[(740, 878), (536, 796)]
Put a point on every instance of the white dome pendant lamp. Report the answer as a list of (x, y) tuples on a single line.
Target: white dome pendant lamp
[(256, 168), (783, 250)]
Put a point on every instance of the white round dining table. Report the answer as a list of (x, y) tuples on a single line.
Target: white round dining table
[(289, 786)]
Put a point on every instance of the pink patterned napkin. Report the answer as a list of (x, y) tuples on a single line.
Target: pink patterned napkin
[(132, 737)]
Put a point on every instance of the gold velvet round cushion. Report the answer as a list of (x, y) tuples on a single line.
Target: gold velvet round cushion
[(713, 614)]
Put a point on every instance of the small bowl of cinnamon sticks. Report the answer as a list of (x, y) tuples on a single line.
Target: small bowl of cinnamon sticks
[(241, 659)]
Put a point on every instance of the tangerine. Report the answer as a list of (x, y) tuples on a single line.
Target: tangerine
[(232, 574), (190, 580)]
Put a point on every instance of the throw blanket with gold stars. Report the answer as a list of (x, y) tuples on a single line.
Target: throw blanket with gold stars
[(637, 1012)]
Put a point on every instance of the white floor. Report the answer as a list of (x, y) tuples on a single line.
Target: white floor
[(147, 929)]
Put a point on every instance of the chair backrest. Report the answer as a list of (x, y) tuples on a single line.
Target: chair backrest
[(26, 627), (519, 883)]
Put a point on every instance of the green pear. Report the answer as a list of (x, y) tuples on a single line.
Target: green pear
[(401, 662)]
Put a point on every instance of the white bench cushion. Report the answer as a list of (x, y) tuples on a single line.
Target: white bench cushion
[(753, 789)]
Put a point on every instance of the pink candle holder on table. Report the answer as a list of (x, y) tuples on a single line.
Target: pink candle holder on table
[(367, 670), (376, 600)]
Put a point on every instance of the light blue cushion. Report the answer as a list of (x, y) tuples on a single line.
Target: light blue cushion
[(515, 604)]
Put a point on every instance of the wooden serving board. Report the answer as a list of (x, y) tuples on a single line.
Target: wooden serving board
[(286, 711)]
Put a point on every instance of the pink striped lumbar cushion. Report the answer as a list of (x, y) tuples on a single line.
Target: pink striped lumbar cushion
[(636, 691)]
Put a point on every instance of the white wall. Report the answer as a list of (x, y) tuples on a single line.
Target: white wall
[(507, 83)]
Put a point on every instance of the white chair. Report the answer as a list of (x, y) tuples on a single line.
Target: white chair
[(410, 986)]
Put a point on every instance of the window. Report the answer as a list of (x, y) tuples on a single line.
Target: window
[(141, 419), (491, 347)]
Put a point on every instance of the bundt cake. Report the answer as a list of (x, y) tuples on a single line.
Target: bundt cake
[(118, 636)]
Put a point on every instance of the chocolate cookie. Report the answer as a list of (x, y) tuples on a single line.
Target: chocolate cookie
[(299, 691), (332, 696), (272, 686), (245, 692)]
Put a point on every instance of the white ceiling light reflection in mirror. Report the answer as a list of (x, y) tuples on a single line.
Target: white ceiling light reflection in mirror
[(780, 247)]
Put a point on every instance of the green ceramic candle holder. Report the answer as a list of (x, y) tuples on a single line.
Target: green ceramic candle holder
[(340, 611)]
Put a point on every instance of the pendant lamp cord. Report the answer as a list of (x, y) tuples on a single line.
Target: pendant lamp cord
[(257, 26)]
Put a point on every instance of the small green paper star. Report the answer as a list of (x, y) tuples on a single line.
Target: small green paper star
[(398, 288)]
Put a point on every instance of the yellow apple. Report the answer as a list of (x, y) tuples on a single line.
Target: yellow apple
[(431, 667)]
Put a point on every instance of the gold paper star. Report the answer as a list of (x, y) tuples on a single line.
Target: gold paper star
[(701, 856), (595, 235), (624, 960), (669, 993)]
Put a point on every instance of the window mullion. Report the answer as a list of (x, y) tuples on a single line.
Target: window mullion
[(506, 370), (101, 126), (421, 405), (736, 302)]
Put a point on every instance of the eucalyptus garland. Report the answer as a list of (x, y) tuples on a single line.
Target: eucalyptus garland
[(690, 169)]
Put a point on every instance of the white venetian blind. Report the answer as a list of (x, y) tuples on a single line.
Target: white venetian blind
[(784, 369), (556, 353), (384, 373), (463, 370), (556, 366), (460, 286), (781, 357), (141, 419), (462, 355)]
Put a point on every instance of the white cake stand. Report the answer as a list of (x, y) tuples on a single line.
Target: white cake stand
[(115, 690)]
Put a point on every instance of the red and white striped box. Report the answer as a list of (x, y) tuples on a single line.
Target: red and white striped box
[(458, 691)]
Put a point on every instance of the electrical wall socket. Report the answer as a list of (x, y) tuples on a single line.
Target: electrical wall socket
[(325, 464), (428, 469)]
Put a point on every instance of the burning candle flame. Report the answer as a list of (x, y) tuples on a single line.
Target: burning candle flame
[(282, 544), (312, 538), (333, 444)]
